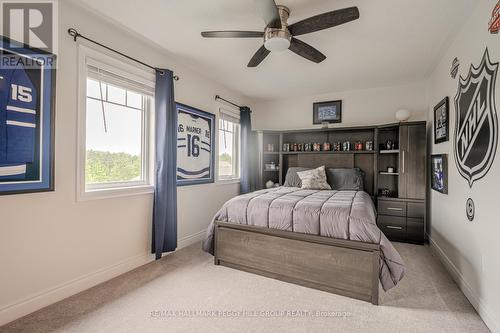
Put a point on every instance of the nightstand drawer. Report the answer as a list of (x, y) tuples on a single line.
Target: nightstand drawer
[(415, 230), (393, 208), (392, 226), (416, 210)]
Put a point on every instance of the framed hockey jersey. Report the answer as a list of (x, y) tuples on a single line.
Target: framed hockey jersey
[(195, 146), (27, 93)]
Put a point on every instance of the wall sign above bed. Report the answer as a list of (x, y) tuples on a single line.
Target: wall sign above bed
[(327, 112), (195, 146)]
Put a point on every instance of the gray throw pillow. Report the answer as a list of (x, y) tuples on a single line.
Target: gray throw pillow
[(346, 179), (292, 179), (314, 179)]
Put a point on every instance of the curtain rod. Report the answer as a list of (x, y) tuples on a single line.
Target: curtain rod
[(74, 33), (217, 97)]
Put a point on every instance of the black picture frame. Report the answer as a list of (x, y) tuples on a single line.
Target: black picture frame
[(319, 119), (181, 148), (439, 173), (39, 173), (442, 110)]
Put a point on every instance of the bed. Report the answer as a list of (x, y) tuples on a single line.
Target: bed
[(323, 239)]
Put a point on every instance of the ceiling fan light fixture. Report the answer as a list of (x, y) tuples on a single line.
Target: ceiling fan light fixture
[(277, 40), (277, 44)]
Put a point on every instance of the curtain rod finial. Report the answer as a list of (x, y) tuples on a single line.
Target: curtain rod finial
[(73, 33)]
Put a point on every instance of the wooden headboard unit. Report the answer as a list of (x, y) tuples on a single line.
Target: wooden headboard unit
[(364, 160)]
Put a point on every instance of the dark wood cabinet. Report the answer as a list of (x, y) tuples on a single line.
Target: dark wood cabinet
[(412, 142)]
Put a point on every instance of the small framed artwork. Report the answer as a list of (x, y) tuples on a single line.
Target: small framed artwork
[(27, 97), (195, 146), (441, 121), (327, 112), (439, 173)]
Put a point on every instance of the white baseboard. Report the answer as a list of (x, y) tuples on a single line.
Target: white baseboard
[(481, 307), (55, 294)]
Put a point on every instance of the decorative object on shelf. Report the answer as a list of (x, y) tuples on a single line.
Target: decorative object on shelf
[(369, 145), (327, 112), (307, 147), (385, 192), (28, 93), (390, 169), (295, 147), (269, 184), (337, 146), (327, 146), (270, 147), (389, 145), (196, 146), (358, 146), (403, 115), (271, 166), (324, 125), (346, 146), (455, 65), (475, 152), (316, 147), (470, 209), (441, 121), (286, 147), (494, 25), (439, 173)]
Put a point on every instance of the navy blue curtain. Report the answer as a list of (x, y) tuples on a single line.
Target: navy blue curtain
[(249, 153), (165, 198)]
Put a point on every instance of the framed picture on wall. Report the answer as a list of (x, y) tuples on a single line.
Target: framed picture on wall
[(27, 97), (327, 112), (439, 173), (441, 121), (195, 146)]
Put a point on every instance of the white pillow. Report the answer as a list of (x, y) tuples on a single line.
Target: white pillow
[(314, 179)]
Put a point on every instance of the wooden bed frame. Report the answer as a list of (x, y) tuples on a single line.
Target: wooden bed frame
[(343, 267)]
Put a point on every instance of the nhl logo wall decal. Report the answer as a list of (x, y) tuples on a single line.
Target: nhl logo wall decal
[(454, 68), (476, 125), (494, 25)]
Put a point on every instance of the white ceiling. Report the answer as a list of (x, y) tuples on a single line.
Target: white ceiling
[(393, 42)]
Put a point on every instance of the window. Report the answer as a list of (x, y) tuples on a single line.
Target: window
[(229, 146), (115, 130)]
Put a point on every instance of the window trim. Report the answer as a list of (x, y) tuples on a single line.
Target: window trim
[(87, 56), (234, 113)]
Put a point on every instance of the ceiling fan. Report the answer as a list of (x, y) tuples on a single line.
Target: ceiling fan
[(279, 36)]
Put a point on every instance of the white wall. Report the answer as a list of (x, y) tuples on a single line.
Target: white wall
[(52, 246), (360, 107), (469, 249)]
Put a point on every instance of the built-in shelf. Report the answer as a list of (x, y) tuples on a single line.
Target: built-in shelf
[(271, 170), (389, 173), (394, 151), (330, 152), (271, 153)]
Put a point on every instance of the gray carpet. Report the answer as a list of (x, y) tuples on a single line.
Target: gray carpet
[(185, 292)]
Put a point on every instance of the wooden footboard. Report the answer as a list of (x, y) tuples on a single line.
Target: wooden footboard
[(341, 267)]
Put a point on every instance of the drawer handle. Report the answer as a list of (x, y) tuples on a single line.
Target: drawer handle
[(398, 209), (394, 227)]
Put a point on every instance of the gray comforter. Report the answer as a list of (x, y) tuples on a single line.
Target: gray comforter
[(338, 214)]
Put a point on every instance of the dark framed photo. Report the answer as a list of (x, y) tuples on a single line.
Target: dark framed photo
[(195, 146), (439, 173), (327, 112), (441, 121), (27, 106)]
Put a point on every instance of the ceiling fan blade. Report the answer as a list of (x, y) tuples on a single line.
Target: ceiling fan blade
[(269, 13), (232, 34), (257, 58), (324, 21), (306, 51)]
